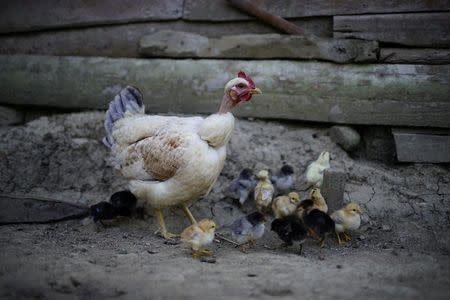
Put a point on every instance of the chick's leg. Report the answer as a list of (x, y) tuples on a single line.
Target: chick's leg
[(188, 213), (313, 234), (346, 237), (322, 243), (339, 239), (207, 252), (162, 226)]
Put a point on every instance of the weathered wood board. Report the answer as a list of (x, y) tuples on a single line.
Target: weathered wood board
[(29, 15), (414, 56), (31, 210), (220, 10), (178, 44), (385, 94), (419, 29), (422, 145), (123, 40)]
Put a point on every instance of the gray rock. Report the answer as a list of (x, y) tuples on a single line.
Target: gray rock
[(10, 116), (333, 188), (168, 43), (347, 137)]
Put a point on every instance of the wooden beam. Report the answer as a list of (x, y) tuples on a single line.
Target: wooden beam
[(419, 29), (169, 43), (414, 56), (123, 40), (220, 10), (416, 145), (31, 15), (383, 94)]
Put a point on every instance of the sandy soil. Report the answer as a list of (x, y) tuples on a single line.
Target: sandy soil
[(402, 249)]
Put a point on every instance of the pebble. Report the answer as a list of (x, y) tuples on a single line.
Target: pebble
[(122, 251)]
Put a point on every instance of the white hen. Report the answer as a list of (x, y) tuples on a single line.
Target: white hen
[(171, 160)]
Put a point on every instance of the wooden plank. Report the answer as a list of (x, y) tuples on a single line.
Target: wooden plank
[(414, 56), (385, 94), (419, 29), (169, 43), (123, 40), (220, 10), (422, 146), (30, 15)]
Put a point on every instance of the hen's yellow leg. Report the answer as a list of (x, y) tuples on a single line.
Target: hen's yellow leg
[(346, 237), (339, 239), (322, 243), (162, 226), (188, 213)]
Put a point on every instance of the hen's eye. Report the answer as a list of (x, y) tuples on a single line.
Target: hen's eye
[(240, 85)]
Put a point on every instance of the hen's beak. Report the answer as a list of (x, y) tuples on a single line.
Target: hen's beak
[(255, 91)]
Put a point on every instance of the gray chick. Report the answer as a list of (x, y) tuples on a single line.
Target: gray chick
[(242, 185), (248, 228), (282, 181)]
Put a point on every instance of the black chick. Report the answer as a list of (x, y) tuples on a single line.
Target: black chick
[(282, 181), (289, 229), (104, 211), (317, 222), (124, 202)]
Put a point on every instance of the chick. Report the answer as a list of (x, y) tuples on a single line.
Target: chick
[(103, 211), (347, 218), (198, 235), (289, 230), (319, 202), (314, 172), (241, 186), (282, 181), (283, 206), (317, 222), (263, 192), (248, 228), (124, 201)]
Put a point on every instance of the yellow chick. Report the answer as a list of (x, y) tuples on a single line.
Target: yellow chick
[(198, 235), (314, 172), (347, 218), (319, 202), (284, 206), (263, 192)]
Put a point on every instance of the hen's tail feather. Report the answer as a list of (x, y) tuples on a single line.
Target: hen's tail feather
[(129, 100)]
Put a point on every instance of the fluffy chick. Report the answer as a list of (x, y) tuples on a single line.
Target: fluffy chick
[(124, 201), (289, 230), (347, 218), (283, 206), (263, 192), (317, 222), (240, 186), (103, 211), (282, 181), (319, 202), (314, 172), (197, 235), (248, 228)]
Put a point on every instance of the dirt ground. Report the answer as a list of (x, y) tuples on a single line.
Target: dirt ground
[(402, 249)]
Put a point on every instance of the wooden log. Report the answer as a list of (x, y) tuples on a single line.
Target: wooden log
[(265, 16), (414, 56), (123, 40), (400, 95), (178, 44), (419, 145), (31, 15), (220, 10), (419, 29)]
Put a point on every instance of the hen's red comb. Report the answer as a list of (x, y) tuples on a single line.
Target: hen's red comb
[(241, 74)]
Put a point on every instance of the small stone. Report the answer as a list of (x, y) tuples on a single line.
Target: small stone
[(122, 251), (152, 252), (347, 137), (386, 227), (208, 259)]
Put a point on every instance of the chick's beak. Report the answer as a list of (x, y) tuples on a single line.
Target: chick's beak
[(255, 91)]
